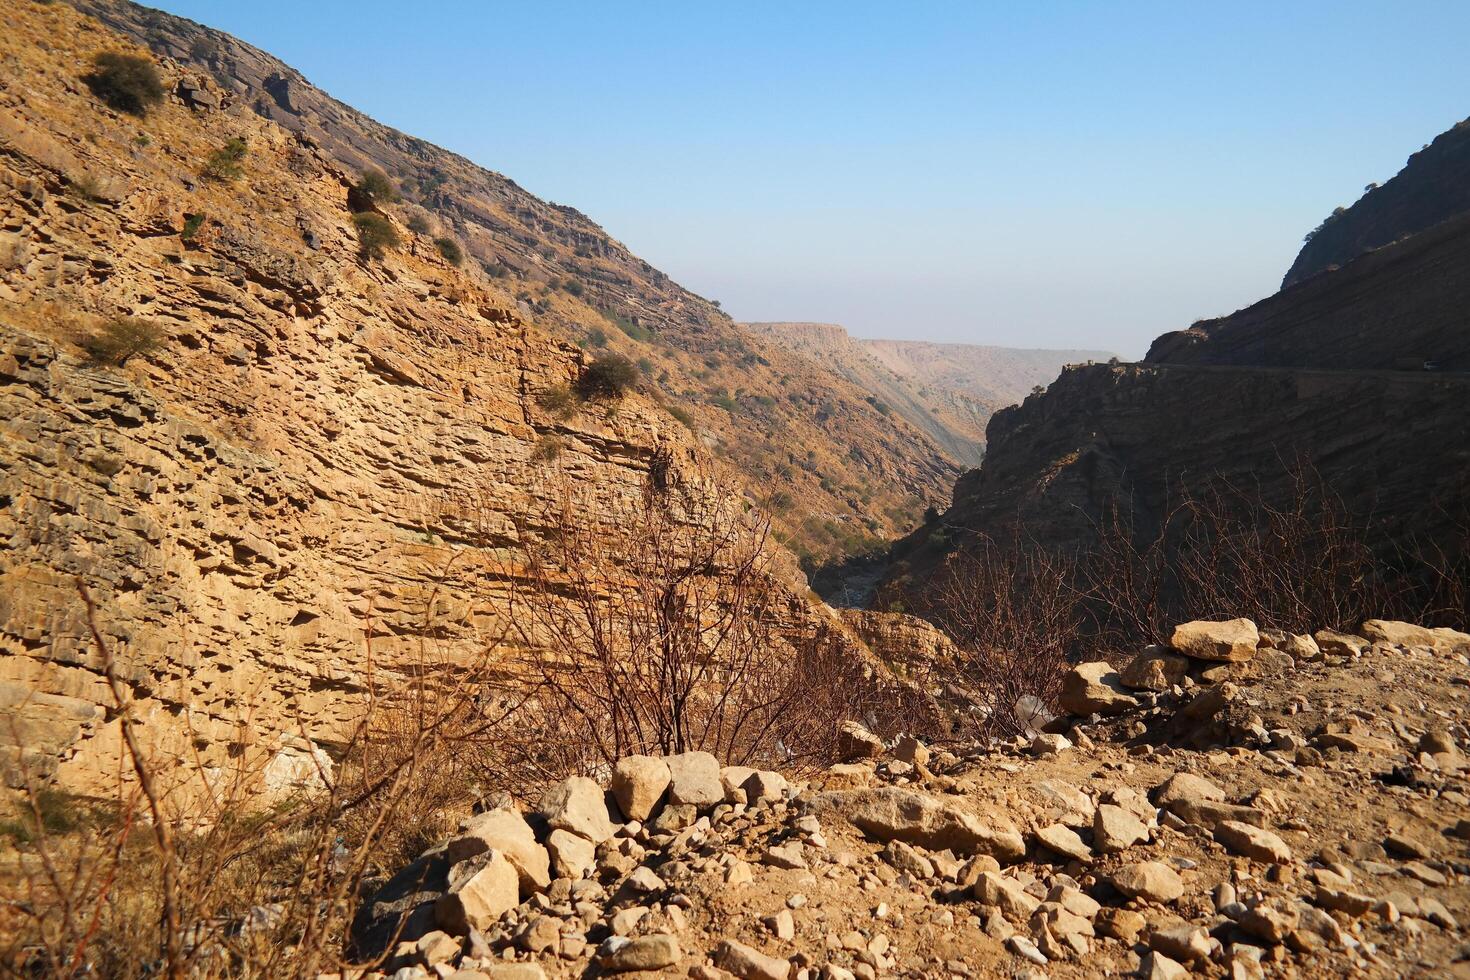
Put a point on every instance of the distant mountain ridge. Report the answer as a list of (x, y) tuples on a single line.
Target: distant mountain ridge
[(1432, 187), (948, 391)]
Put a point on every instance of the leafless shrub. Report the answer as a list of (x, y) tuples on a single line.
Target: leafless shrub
[(1013, 610), (653, 620), (198, 878)]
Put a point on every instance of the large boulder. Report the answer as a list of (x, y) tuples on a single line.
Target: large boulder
[(577, 804), (620, 954), (572, 855), (1230, 640), (1094, 689), (403, 908), (1186, 786), (1256, 843), (504, 830), (1335, 644), (893, 813), (1151, 881), (481, 890), (856, 742), (1155, 669), (638, 784), (740, 960), (694, 779), (1409, 635)]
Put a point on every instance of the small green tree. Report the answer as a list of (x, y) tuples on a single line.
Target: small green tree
[(609, 377), (376, 187), (228, 162), (126, 82), (418, 224), (120, 339), (375, 235), (449, 248)]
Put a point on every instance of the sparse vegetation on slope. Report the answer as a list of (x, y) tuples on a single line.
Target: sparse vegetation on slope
[(126, 82)]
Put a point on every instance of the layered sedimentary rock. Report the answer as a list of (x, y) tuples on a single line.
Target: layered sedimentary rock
[(1356, 376), (268, 510), (1401, 307), (859, 474)]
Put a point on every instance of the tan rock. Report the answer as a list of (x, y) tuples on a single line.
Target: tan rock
[(1157, 966), (1335, 644), (731, 779), (619, 954), (488, 887), (1185, 942), (762, 786), (638, 784), (1151, 881), (856, 742), (911, 750), (1006, 894), (1256, 843), (1401, 634), (577, 804), (893, 813), (504, 830), (1186, 786), (694, 779), (1121, 924), (1155, 669), (1094, 688), (847, 775), (1116, 829), (1231, 640), (1063, 840), (750, 964), (572, 855)]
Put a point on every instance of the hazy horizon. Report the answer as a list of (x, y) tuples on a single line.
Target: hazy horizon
[(1082, 178)]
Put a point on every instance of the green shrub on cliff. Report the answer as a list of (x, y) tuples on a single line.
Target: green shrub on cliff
[(375, 235), (126, 82)]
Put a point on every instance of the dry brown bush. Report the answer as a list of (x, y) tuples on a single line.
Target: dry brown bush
[(653, 620), (1300, 561), (1014, 611), (194, 877)]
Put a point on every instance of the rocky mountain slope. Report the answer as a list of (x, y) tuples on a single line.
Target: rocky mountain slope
[(1433, 186), (838, 473), (1182, 818), (282, 501), (1328, 374), (948, 391)]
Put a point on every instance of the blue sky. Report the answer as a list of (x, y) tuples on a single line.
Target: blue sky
[(1059, 174)]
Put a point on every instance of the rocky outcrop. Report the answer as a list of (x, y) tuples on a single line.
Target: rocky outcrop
[(270, 510), (1357, 377), (1390, 444), (1400, 308), (826, 449), (1129, 850), (1433, 186)]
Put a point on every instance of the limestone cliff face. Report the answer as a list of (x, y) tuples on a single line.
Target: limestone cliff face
[(1433, 186), (258, 508), (794, 429)]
